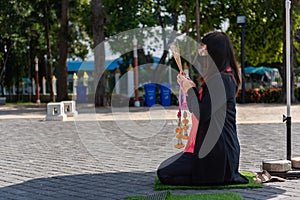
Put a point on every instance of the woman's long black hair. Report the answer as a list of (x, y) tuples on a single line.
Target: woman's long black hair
[(220, 49)]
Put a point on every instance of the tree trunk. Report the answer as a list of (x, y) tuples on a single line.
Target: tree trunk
[(3, 68), (62, 82), (160, 67), (49, 54), (188, 34), (198, 21), (100, 77)]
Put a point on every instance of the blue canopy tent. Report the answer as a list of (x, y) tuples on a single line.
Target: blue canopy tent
[(261, 76), (248, 70), (258, 70), (74, 66)]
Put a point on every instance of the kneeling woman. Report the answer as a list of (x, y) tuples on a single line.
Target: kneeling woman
[(211, 133)]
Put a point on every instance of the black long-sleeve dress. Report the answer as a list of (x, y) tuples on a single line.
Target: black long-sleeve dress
[(215, 159)]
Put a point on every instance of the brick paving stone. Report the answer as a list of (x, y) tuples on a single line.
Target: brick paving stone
[(88, 159)]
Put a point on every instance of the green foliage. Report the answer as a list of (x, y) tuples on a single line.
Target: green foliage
[(80, 20), (263, 30), (296, 28), (23, 30), (260, 95), (15, 18), (212, 14), (297, 93)]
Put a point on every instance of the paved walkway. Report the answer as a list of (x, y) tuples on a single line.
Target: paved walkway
[(110, 155)]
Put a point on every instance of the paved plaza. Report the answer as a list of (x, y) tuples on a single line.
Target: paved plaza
[(104, 154)]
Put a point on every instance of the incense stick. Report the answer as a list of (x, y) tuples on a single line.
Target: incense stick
[(176, 55)]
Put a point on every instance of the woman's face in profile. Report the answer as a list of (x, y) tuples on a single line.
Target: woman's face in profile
[(203, 59), (203, 50)]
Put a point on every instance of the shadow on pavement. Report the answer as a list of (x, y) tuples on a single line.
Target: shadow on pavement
[(82, 186), (23, 109), (106, 186)]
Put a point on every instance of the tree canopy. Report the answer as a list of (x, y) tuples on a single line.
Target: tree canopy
[(32, 28)]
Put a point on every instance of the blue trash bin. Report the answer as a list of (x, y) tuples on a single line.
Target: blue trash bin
[(165, 94), (150, 94), (81, 93)]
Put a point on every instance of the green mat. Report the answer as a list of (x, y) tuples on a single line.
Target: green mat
[(169, 196), (249, 175)]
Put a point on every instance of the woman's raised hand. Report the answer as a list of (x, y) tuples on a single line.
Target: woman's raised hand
[(186, 83)]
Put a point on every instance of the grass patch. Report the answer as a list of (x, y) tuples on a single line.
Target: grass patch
[(249, 175), (170, 196)]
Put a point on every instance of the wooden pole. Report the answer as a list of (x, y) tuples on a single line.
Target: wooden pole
[(136, 75)]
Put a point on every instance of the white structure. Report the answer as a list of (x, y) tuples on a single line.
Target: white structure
[(75, 78), (44, 85), (70, 108), (55, 112), (54, 85), (33, 86), (23, 88), (2, 100), (117, 77), (14, 90), (85, 81), (130, 84)]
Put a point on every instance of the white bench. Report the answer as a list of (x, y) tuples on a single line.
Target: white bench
[(55, 112), (70, 108)]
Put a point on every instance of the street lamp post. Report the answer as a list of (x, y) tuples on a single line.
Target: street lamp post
[(36, 61), (288, 118), (241, 21), (293, 170)]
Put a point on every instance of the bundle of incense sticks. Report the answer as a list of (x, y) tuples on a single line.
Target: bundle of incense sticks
[(176, 55)]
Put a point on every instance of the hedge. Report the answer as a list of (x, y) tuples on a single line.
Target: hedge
[(264, 95)]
